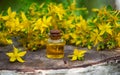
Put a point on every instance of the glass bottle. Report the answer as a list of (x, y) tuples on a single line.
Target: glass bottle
[(55, 45)]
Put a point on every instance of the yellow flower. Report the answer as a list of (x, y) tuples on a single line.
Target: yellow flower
[(66, 36), (74, 38), (16, 55), (105, 28), (103, 11), (57, 9), (89, 47), (10, 15), (82, 25), (73, 5), (42, 24), (96, 37), (13, 25), (68, 24), (77, 39), (78, 54), (9, 41)]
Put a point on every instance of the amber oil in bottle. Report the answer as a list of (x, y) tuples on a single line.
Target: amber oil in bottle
[(55, 45)]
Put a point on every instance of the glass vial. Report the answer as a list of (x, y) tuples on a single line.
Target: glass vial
[(55, 45)]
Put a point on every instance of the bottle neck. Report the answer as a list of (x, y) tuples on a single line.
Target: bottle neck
[(55, 37)]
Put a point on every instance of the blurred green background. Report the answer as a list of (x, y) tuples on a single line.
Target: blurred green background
[(23, 5)]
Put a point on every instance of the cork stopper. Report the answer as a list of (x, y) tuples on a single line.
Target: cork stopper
[(55, 34)]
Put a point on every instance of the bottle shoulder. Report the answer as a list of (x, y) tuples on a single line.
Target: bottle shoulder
[(56, 41)]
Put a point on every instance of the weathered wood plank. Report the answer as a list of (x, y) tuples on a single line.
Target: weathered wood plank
[(37, 59)]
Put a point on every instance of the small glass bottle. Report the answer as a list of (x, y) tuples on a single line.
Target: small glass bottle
[(55, 45)]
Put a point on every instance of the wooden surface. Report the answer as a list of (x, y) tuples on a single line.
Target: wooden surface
[(37, 59)]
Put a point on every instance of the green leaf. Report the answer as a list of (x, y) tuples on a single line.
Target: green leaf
[(109, 7)]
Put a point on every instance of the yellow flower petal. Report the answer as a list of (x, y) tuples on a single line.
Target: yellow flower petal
[(12, 15), (21, 53), (74, 58), (66, 36), (5, 17), (102, 32), (78, 42), (109, 31), (15, 50), (76, 51), (10, 54), (49, 19), (44, 18), (12, 59), (23, 16), (9, 11), (9, 41), (20, 59), (82, 52), (89, 47)]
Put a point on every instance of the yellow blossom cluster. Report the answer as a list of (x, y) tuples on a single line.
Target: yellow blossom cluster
[(32, 28)]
